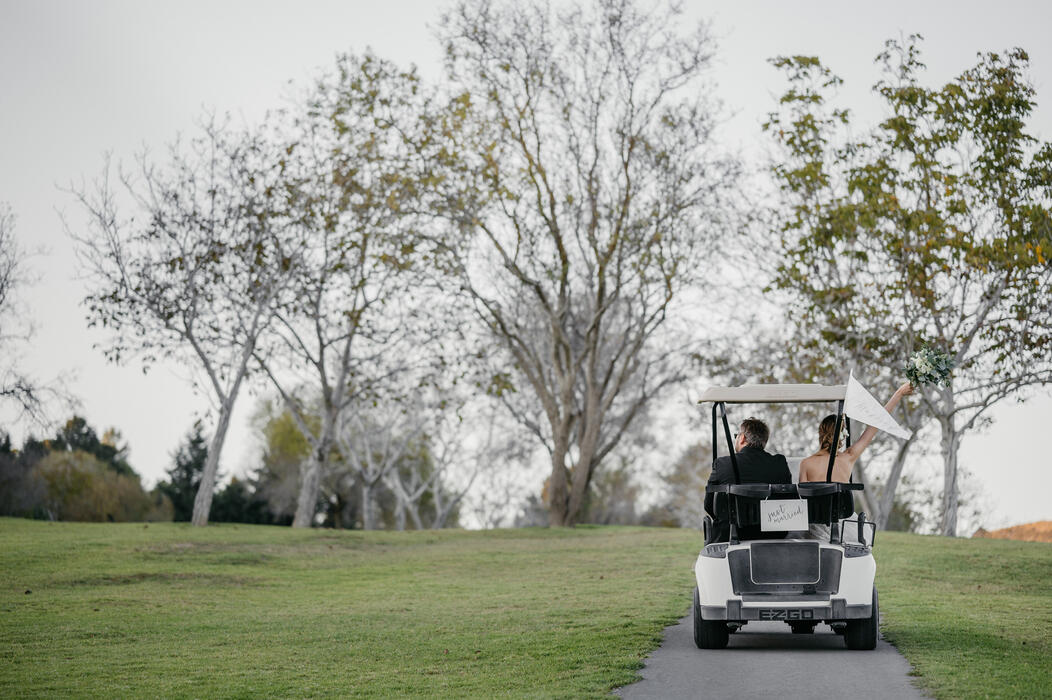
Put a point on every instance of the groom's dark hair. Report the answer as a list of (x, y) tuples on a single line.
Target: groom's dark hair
[(756, 432)]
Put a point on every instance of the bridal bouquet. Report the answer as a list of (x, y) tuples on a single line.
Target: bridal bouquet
[(929, 366)]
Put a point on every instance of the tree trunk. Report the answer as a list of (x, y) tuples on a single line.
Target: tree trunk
[(203, 499), (557, 496), (307, 501), (949, 444), (887, 496), (400, 514), (367, 506), (582, 474), (414, 515)]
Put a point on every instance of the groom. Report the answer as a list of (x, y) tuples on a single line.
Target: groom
[(756, 466)]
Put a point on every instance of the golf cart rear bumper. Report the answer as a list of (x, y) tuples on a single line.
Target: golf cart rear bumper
[(836, 610)]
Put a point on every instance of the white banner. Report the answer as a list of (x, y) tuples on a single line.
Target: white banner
[(860, 405)]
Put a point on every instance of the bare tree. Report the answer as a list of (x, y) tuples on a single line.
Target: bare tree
[(463, 439), (374, 441), (195, 273), (588, 187), (16, 387), (351, 170)]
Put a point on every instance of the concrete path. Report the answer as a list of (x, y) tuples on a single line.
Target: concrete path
[(765, 659)]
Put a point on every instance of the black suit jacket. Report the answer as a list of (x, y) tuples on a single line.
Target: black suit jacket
[(755, 467)]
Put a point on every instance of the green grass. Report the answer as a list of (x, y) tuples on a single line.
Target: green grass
[(246, 611), (973, 616)]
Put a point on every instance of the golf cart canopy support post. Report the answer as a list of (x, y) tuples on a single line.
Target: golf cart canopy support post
[(730, 440), (836, 440)]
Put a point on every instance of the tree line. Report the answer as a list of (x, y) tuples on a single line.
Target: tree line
[(536, 249)]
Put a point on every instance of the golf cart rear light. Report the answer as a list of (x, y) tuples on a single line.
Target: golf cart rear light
[(855, 550), (717, 551)]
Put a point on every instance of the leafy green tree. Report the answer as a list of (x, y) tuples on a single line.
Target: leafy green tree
[(934, 228), (284, 450)]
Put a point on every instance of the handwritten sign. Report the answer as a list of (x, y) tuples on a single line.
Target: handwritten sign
[(782, 516)]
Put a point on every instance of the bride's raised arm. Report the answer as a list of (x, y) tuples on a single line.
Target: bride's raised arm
[(867, 435)]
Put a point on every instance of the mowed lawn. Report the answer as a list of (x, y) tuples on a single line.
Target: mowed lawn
[(167, 610), (973, 616)]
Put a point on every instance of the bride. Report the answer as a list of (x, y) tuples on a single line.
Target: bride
[(814, 468)]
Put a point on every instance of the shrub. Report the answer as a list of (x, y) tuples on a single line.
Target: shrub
[(80, 487)]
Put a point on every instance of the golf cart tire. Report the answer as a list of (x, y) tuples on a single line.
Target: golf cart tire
[(708, 634), (862, 634)]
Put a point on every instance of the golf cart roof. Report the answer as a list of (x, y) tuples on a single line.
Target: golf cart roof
[(774, 393)]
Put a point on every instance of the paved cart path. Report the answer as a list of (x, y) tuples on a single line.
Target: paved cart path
[(765, 659)]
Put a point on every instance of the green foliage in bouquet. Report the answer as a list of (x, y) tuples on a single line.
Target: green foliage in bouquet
[(929, 366)]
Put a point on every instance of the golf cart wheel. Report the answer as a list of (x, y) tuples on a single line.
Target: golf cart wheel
[(708, 634), (802, 627), (862, 634)]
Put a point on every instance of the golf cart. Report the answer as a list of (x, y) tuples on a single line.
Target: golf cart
[(769, 568)]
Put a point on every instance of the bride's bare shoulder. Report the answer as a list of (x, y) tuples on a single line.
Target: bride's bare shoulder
[(806, 465)]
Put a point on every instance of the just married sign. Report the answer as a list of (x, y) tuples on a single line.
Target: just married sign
[(782, 516)]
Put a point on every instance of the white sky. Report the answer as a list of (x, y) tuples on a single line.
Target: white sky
[(80, 78)]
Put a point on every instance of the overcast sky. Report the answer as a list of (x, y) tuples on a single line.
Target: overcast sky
[(79, 79)]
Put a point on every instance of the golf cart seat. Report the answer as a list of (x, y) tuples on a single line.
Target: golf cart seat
[(827, 503), (745, 513)]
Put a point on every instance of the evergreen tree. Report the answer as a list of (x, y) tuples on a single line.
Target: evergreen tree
[(237, 503), (185, 474)]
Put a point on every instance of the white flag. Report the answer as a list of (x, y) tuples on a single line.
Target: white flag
[(860, 405)]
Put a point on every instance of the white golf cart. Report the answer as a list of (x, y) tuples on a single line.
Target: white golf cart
[(780, 573)]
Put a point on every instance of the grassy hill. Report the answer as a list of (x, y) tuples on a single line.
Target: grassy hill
[(973, 616), (169, 610)]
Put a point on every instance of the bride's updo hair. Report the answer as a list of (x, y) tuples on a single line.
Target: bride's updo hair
[(825, 433)]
